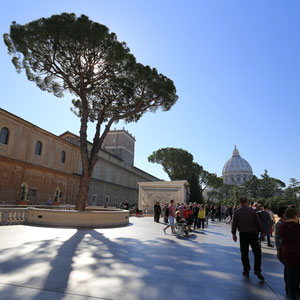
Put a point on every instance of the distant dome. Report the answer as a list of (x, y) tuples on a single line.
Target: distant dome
[(236, 170)]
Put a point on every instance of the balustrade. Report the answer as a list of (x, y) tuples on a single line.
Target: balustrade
[(14, 215)]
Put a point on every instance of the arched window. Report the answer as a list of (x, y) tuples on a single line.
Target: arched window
[(63, 157), (4, 136), (38, 148)]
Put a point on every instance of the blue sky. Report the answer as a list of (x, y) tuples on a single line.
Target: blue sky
[(235, 64)]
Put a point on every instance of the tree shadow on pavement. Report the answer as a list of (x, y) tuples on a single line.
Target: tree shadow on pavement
[(90, 264)]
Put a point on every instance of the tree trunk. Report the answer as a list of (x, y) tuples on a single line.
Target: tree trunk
[(83, 192)]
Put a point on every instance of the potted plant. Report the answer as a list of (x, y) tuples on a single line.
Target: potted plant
[(56, 196), (24, 192)]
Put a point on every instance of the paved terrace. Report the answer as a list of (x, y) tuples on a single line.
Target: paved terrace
[(133, 262)]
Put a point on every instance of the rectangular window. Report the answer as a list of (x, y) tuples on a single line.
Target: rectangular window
[(63, 157), (32, 192), (118, 178)]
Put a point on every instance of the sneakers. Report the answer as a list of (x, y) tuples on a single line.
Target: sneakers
[(270, 245), (259, 276), (164, 230)]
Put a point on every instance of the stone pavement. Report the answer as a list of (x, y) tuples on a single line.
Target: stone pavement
[(133, 262)]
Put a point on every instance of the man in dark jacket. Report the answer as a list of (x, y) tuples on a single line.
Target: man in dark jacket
[(166, 213), (266, 223), (195, 210), (157, 212), (246, 220)]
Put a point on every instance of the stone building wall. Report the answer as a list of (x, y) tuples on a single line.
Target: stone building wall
[(121, 144), (112, 178), (163, 192)]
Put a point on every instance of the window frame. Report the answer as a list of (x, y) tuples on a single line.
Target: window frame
[(4, 136), (63, 157), (38, 151)]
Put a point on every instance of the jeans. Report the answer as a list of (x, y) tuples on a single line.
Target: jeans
[(195, 222), (201, 223), (267, 232), (246, 239)]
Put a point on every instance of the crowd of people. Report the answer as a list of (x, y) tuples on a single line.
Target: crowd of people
[(255, 223), (196, 215), (193, 215)]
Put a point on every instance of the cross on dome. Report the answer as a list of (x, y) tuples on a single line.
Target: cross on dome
[(235, 151)]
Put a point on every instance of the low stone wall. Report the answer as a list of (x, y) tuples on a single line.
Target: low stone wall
[(69, 218)]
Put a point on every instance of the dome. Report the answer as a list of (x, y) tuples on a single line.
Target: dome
[(236, 170)]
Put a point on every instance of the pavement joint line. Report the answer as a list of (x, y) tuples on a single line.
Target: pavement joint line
[(54, 291), (272, 290)]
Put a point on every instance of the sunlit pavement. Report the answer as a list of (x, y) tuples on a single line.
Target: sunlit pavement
[(134, 262)]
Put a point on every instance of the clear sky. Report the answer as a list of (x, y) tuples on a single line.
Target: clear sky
[(235, 64)]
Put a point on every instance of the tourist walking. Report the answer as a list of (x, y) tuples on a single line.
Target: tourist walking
[(223, 213), (249, 225), (213, 212), (219, 208), (157, 212), (273, 220), (201, 216), (207, 214), (278, 245), (266, 223), (166, 213), (228, 213), (171, 217), (289, 233), (195, 210), (188, 215)]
